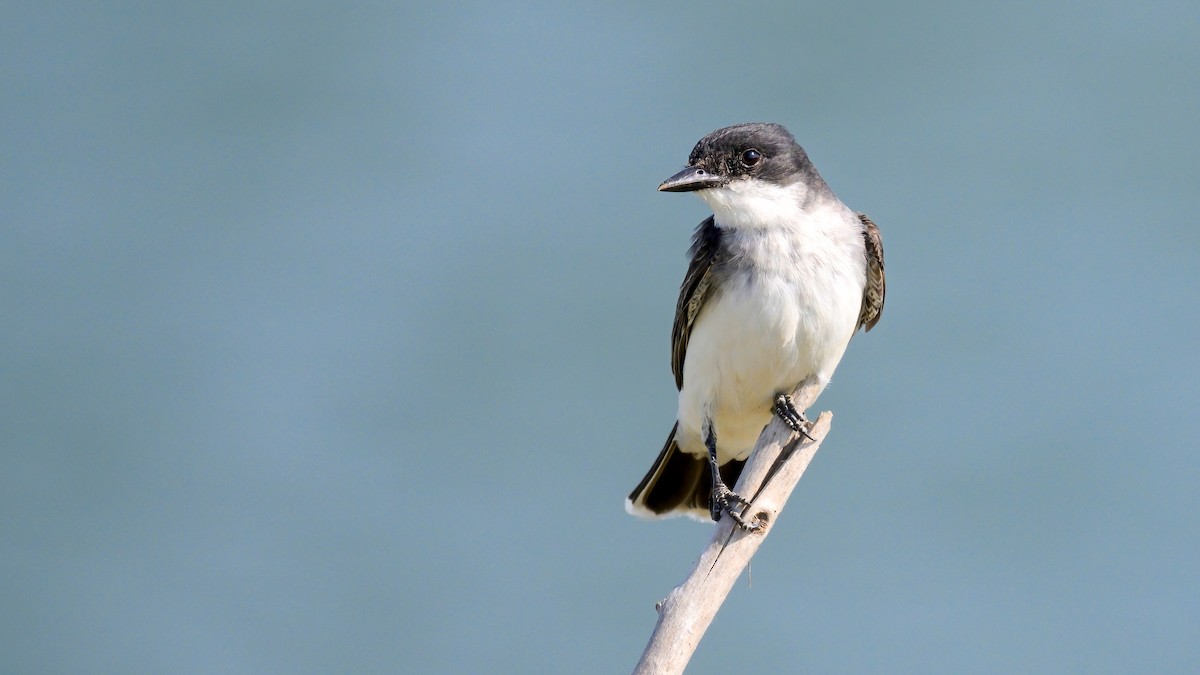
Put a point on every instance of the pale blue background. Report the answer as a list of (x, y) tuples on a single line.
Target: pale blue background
[(332, 337)]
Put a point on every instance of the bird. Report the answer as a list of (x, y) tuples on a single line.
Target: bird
[(782, 275)]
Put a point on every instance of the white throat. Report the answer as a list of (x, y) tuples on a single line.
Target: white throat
[(756, 204)]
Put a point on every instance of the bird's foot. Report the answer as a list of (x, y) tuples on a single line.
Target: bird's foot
[(722, 502), (786, 410)]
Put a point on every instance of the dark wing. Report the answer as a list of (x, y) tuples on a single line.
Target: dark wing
[(872, 304), (694, 291)]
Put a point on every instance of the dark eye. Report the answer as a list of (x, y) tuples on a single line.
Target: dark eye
[(751, 157)]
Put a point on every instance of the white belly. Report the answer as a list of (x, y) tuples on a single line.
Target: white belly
[(761, 335)]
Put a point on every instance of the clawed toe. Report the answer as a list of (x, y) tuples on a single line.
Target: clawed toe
[(786, 410), (722, 500)]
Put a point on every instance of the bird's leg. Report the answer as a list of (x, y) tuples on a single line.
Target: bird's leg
[(722, 496), (786, 410)]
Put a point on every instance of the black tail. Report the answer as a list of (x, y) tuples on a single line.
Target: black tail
[(678, 483)]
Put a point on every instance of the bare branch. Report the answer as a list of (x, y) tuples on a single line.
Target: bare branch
[(685, 614)]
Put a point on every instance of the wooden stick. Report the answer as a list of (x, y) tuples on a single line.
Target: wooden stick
[(685, 614)]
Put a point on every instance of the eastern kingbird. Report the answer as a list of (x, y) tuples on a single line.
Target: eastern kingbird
[(782, 275)]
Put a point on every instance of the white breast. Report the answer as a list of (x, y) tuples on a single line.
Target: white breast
[(786, 312)]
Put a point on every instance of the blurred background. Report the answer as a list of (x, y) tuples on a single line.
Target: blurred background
[(333, 337)]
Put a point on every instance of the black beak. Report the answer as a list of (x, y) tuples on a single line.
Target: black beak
[(691, 179)]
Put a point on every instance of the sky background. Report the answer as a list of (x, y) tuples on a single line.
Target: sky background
[(333, 337)]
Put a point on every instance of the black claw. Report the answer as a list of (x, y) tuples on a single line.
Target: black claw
[(721, 498), (741, 522), (716, 506), (786, 410), (720, 504)]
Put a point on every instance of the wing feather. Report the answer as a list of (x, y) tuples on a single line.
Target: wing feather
[(695, 290), (873, 293)]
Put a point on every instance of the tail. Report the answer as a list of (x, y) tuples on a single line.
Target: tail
[(678, 484)]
